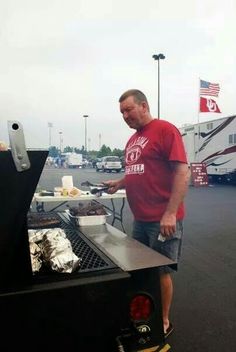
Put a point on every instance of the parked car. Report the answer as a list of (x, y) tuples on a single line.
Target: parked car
[(95, 161), (122, 162), (109, 164)]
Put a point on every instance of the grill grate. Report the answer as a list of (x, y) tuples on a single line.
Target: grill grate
[(92, 258)]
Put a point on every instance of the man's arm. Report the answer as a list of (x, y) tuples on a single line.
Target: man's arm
[(179, 190)]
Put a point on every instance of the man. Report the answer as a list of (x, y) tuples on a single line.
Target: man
[(156, 181)]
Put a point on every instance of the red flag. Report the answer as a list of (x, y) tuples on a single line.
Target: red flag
[(208, 105)]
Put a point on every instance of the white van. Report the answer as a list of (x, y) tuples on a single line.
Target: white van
[(74, 160), (109, 164)]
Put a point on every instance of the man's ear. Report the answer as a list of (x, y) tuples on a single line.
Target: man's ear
[(144, 106)]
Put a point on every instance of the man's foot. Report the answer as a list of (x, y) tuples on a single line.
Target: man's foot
[(168, 330), (166, 324)]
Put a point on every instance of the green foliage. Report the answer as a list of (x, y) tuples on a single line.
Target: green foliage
[(104, 151), (80, 151), (68, 149), (118, 152), (90, 155), (53, 152)]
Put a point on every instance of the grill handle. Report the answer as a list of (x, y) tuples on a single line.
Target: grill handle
[(17, 144)]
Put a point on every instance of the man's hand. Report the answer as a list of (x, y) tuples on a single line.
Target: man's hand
[(168, 224), (114, 185)]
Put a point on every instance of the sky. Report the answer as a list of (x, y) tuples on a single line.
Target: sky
[(63, 59)]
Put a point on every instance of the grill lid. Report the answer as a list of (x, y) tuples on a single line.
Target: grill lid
[(17, 189)]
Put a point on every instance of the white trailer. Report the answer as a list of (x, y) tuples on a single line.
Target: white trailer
[(74, 160), (213, 143)]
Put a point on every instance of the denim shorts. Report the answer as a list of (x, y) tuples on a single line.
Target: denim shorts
[(148, 233)]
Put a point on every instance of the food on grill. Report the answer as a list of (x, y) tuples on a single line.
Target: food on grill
[(37, 221), (57, 251), (35, 254), (92, 208), (36, 236), (54, 249)]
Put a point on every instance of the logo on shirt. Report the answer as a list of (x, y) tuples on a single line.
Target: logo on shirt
[(134, 169), (133, 153), (134, 150)]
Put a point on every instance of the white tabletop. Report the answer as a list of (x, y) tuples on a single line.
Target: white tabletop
[(84, 196)]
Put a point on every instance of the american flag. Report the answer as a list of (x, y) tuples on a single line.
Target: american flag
[(211, 89)]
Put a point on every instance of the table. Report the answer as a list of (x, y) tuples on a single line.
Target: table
[(85, 196)]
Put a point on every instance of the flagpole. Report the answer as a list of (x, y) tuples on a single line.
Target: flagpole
[(198, 121), (206, 105)]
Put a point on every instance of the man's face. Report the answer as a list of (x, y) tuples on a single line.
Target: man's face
[(133, 113)]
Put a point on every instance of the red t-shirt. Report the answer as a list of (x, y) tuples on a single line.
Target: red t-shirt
[(148, 176)]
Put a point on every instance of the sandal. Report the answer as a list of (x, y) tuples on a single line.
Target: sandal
[(169, 330)]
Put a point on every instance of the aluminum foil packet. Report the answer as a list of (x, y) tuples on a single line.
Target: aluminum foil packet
[(56, 249), (35, 256)]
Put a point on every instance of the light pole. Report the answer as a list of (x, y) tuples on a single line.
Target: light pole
[(50, 125), (158, 58), (60, 136), (89, 140), (85, 132), (99, 139)]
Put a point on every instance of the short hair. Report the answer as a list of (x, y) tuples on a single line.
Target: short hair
[(139, 96)]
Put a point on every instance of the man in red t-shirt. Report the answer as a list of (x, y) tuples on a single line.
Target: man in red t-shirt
[(156, 182)]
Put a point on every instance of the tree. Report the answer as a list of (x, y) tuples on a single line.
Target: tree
[(68, 149), (104, 151), (92, 154), (53, 152), (118, 152)]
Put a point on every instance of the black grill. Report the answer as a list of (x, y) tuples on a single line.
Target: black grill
[(92, 258)]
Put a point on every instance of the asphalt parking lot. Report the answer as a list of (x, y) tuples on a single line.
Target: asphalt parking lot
[(203, 311)]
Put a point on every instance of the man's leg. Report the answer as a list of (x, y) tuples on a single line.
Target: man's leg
[(171, 249), (166, 297)]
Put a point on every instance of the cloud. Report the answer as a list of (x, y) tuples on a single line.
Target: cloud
[(63, 59)]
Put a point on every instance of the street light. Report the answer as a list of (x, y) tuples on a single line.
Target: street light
[(50, 125), (158, 58), (89, 140), (100, 140), (60, 136), (85, 132)]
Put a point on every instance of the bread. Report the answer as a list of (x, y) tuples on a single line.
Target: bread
[(73, 192)]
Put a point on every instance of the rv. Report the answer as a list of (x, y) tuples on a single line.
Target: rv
[(213, 143), (74, 160)]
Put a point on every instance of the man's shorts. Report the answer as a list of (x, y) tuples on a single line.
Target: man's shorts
[(148, 233)]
